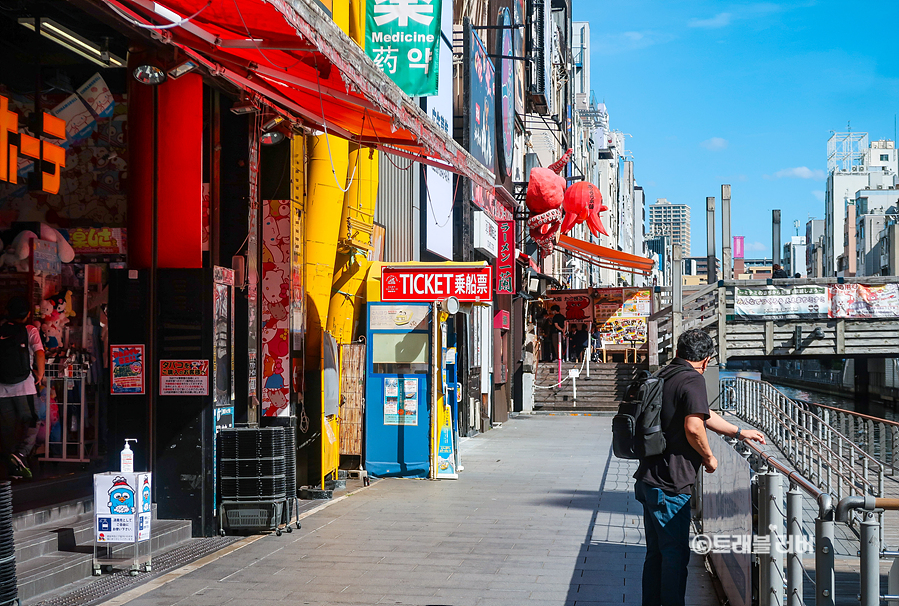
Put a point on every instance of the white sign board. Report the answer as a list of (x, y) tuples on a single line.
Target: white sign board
[(486, 234), (122, 506)]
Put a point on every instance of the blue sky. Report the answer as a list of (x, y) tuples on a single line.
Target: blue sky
[(742, 93)]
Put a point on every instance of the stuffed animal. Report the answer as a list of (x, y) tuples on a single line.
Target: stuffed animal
[(20, 248), (546, 193), (583, 202)]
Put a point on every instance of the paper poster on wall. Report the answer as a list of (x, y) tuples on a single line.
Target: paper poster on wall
[(635, 303), (126, 367), (400, 401), (184, 377)]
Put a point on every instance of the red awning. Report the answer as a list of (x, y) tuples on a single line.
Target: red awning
[(606, 257), (293, 55)]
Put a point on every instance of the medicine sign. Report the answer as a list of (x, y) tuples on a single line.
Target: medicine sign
[(468, 284), (402, 37)]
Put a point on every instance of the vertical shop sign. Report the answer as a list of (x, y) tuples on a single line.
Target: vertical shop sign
[(253, 265), (505, 94), (36, 148), (518, 51), (481, 100), (126, 367), (505, 260), (275, 295), (402, 37), (739, 247)]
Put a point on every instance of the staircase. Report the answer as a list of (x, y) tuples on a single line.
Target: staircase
[(601, 391), (54, 545)]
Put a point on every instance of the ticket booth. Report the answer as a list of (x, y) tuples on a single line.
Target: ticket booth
[(398, 412), (412, 394)]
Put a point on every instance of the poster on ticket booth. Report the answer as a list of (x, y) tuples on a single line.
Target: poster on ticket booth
[(126, 367), (184, 377)]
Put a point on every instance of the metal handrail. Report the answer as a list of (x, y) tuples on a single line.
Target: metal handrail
[(791, 427), (841, 462), (875, 435)]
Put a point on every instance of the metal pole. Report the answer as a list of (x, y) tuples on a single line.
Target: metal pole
[(869, 540), (712, 270), (773, 593), (775, 236), (435, 382), (824, 575), (794, 543), (764, 570), (727, 270), (677, 297)]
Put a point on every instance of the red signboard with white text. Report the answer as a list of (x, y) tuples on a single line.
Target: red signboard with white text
[(505, 259), (436, 283)]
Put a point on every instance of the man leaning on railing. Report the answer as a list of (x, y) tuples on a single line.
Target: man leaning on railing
[(664, 482)]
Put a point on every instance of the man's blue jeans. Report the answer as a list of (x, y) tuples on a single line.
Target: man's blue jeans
[(666, 520)]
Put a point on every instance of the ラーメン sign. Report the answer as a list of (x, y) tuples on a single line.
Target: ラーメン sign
[(402, 37), (431, 283)]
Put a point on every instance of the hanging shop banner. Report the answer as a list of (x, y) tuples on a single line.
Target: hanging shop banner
[(860, 301), (505, 259), (481, 108), (467, 284), (518, 51), (96, 92), (98, 240), (505, 94), (573, 304), (126, 367), (739, 246), (400, 401), (773, 302), (486, 200), (184, 377), (402, 37)]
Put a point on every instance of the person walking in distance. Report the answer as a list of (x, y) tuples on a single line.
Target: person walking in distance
[(21, 369), (664, 482)]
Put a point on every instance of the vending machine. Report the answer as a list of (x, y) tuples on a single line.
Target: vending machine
[(397, 419)]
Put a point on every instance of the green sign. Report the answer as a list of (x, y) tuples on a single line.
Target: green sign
[(403, 38)]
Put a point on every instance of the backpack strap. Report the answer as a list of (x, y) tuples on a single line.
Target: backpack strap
[(675, 370)]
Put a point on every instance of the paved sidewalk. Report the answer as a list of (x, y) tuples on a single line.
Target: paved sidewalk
[(542, 514)]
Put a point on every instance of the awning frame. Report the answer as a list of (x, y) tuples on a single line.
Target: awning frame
[(607, 258)]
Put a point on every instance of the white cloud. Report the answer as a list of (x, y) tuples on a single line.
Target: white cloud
[(800, 172), (625, 42), (714, 144), (756, 247), (819, 195), (719, 20)]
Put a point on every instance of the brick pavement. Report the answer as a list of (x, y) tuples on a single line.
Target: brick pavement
[(542, 514)]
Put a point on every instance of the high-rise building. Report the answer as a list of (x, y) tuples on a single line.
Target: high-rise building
[(672, 220), (853, 165)]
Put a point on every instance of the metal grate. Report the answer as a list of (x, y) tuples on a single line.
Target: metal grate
[(110, 585)]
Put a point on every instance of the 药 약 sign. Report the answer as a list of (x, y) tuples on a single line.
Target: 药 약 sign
[(402, 37)]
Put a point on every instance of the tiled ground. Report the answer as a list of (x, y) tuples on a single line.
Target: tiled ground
[(542, 514)]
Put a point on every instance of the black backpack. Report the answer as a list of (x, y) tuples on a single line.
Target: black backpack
[(637, 430), (15, 359)]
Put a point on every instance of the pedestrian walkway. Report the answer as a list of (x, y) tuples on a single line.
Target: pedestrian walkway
[(542, 514)]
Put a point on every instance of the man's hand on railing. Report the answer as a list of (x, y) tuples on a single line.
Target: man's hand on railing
[(751, 434), (710, 463)]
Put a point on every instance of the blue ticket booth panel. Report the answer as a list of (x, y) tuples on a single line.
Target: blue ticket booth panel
[(397, 419)]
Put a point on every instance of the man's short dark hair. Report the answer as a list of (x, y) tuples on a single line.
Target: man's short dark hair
[(17, 308), (695, 346), (554, 308)]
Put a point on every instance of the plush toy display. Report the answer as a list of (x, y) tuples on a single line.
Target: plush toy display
[(546, 193), (55, 312), (583, 202), (20, 248)]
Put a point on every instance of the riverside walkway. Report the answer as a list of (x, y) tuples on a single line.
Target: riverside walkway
[(542, 514)]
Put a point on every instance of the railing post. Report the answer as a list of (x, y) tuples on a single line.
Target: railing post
[(869, 540), (773, 592), (869, 436), (824, 575), (794, 542), (762, 530)]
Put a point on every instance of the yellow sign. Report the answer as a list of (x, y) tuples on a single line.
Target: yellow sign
[(31, 147)]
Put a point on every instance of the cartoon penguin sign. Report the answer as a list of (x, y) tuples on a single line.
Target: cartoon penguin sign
[(145, 495), (121, 497)]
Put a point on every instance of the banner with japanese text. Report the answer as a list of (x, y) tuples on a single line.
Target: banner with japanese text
[(402, 37), (505, 259)]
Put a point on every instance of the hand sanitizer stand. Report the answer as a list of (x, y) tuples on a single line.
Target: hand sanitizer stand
[(122, 515)]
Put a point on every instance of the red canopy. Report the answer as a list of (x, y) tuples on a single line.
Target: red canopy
[(295, 56), (603, 256)]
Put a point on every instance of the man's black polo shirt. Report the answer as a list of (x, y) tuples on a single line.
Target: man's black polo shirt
[(684, 394)]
